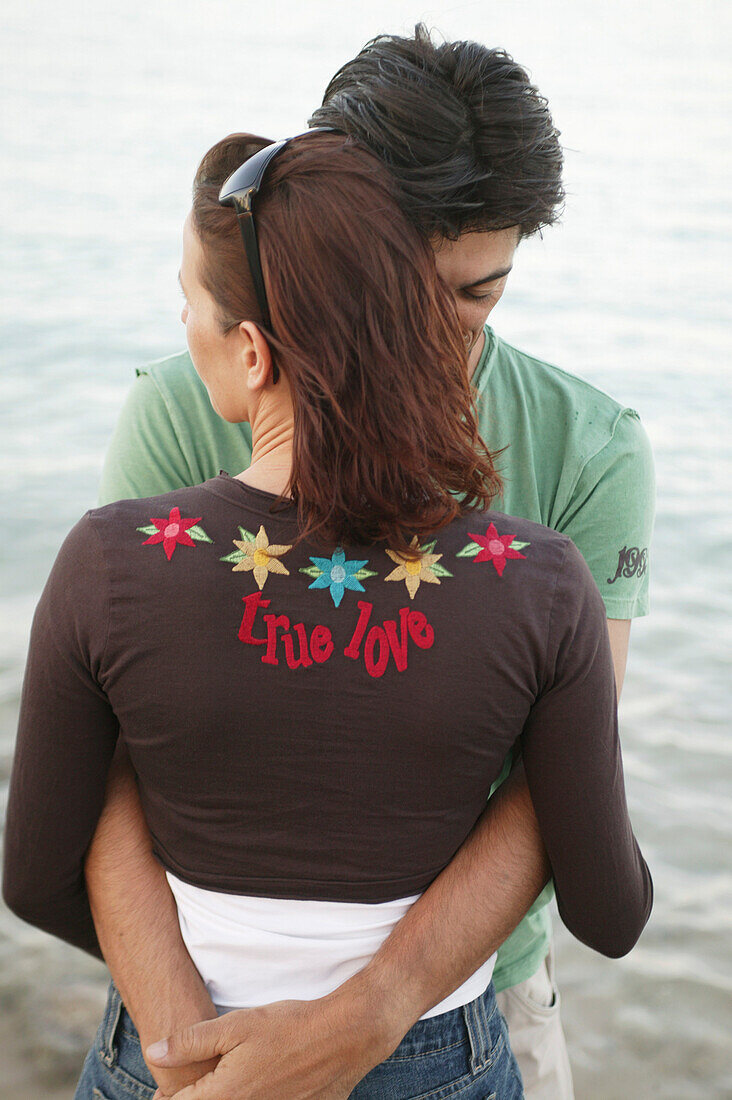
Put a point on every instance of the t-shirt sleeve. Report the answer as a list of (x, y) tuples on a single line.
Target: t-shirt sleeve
[(610, 517), (574, 768), (145, 457), (66, 739)]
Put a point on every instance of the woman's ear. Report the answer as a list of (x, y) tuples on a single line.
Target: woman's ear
[(258, 356)]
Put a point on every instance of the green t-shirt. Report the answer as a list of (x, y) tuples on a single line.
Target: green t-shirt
[(574, 460)]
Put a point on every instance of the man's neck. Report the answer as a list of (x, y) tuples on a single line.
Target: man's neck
[(475, 353)]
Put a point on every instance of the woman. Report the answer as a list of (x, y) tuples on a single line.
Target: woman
[(319, 666)]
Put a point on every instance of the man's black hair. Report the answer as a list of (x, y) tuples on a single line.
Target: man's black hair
[(468, 137)]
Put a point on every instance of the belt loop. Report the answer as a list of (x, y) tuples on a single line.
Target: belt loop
[(480, 1043), (107, 1052)]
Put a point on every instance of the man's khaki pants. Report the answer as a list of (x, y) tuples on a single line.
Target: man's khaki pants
[(535, 1029)]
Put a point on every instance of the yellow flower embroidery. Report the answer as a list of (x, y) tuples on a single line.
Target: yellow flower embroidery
[(414, 572), (259, 556)]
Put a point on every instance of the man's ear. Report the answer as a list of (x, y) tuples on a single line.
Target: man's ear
[(257, 356)]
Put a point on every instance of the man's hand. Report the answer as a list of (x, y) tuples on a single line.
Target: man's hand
[(294, 1050), (172, 1081)]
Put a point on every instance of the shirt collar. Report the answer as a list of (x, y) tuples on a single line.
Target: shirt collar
[(482, 371)]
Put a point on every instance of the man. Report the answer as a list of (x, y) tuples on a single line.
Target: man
[(472, 146)]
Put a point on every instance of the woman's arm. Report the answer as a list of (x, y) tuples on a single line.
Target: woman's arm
[(65, 747), (573, 762), (137, 925), (66, 738)]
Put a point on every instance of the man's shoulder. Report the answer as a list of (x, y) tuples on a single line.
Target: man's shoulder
[(207, 439), (175, 378), (169, 434), (577, 460), (566, 407), (540, 375)]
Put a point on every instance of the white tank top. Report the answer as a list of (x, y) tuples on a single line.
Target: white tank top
[(251, 951)]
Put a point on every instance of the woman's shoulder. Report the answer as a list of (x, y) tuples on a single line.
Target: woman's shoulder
[(523, 572), (490, 532), (514, 564), (177, 515), (184, 498)]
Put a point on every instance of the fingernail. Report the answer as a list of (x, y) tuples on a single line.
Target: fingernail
[(157, 1050)]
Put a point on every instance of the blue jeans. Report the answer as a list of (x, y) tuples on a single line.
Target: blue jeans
[(462, 1053)]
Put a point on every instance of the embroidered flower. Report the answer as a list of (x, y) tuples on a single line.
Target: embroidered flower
[(337, 574), (413, 573), (174, 531), (255, 553), (493, 547)]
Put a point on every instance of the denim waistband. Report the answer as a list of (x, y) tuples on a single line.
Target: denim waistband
[(122, 1060), (109, 1026), (430, 1034), (439, 1032)]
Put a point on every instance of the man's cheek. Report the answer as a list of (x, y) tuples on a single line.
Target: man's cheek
[(471, 320)]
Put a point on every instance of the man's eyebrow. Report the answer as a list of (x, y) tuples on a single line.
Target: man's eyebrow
[(488, 278)]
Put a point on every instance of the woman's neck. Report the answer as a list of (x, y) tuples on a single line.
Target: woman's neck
[(271, 465)]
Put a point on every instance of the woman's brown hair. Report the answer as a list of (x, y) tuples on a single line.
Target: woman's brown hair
[(385, 432)]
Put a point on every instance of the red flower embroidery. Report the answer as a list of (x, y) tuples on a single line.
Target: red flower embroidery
[(172, 531), (496, 548)]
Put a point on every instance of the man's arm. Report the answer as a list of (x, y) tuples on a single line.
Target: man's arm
[(465, 910), (137, 924), (619, 631), (468, 910)]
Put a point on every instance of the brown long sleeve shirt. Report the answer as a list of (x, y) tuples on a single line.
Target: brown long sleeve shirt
[(312, 724)]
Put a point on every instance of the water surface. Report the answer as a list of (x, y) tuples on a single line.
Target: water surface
[(106, 110)]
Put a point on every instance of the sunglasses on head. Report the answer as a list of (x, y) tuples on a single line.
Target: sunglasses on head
[(239, 191)]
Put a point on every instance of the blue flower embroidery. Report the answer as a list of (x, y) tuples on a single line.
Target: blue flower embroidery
[(337, 574)]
